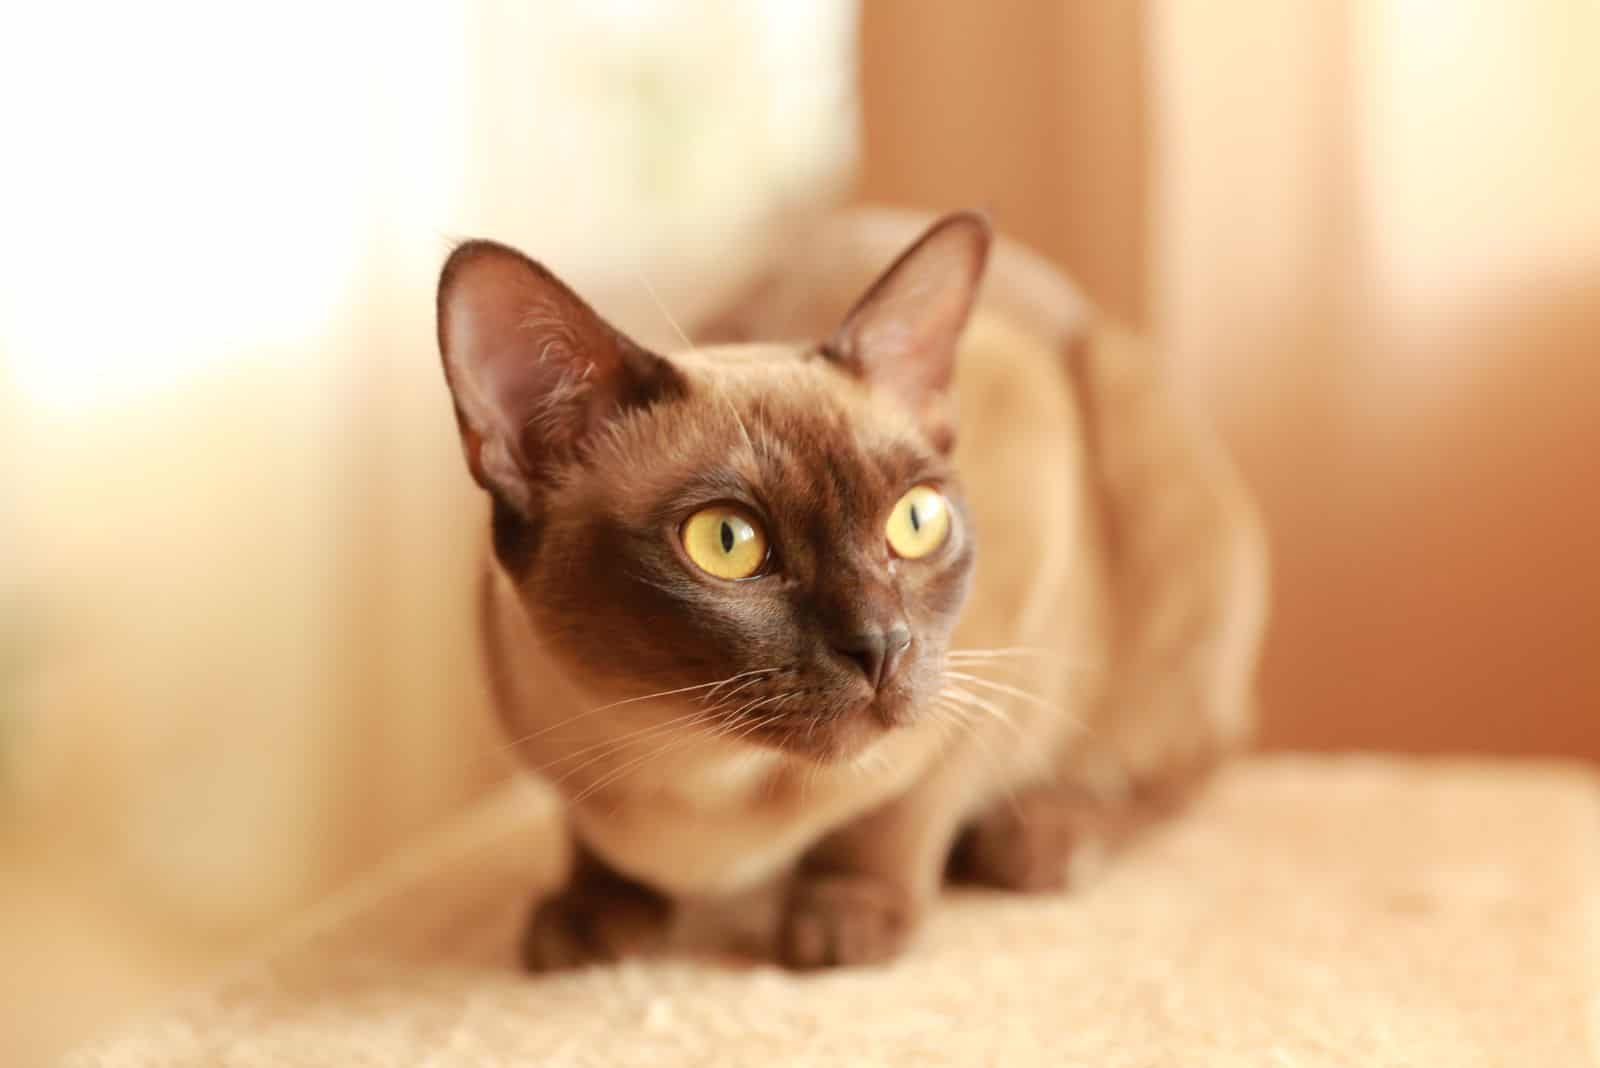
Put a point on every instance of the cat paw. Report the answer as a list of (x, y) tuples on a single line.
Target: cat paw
[(585, 925), (1045, 839), (841, 920)]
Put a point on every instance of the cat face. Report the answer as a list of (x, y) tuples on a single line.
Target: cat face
[(778, 519)]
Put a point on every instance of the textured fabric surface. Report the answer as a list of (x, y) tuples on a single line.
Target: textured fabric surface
[(1306, 912)]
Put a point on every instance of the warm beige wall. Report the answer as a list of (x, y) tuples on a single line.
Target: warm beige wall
[(230, 483), (1365, 235), (982, 105)]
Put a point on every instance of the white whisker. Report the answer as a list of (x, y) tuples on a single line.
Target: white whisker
[(613, 746), (629, 701), (989, 709), (617, 773), (739, 420), (1000, 687), (1006, 651), (662, 308)]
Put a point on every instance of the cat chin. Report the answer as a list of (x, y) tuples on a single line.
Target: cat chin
[(840, 740)]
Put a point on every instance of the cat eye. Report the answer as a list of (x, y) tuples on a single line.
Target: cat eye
[(725, 541), (919, 523)]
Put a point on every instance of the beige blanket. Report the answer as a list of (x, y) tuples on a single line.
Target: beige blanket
[(1307, 912)]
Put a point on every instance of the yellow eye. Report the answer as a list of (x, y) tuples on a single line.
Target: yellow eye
[(725, 541), (919, 523)]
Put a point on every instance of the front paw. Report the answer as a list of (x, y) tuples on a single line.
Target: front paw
[(588, 924), (1042, 840), (835, 920)]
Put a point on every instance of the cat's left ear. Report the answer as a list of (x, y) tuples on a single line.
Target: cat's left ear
[(901, 336)]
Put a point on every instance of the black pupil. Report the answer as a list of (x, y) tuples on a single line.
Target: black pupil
[(916, 520), (727, 536)]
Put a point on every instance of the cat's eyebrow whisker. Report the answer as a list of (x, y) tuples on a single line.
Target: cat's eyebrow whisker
[(739, 421), (662, 308)]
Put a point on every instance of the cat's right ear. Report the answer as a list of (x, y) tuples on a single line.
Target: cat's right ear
[(532, 368)]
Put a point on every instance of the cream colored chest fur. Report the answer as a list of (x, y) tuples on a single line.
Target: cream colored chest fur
[(723, 820), (721, 817)]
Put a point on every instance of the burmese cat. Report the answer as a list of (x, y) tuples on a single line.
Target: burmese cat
[(858, 590)]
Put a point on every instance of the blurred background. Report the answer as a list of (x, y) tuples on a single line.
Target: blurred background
[(236, 538)]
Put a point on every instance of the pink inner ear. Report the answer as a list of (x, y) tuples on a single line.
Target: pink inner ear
[(903, 333), (528, 363)]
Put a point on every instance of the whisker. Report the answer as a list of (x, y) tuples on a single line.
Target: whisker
[(606, 743), (757, 674), (628, 701), (752, 704), (768, 701), (662, 308), (962, 720), (735, 727), (617, 773), (1025, 659), (612, 746), (727, 699), (1010, 691), (689, 720), (739, 420), (995, 767), (756, 723), (982, 704)]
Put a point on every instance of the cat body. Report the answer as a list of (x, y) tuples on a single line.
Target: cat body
[(858, 713)]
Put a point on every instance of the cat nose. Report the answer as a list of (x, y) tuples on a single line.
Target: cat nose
[(877, 650)]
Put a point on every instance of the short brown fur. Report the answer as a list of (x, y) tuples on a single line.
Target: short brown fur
[(1081, 647)]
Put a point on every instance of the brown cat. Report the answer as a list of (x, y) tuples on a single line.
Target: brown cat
[(738, 611)]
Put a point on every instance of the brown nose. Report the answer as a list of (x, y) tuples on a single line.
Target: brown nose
[(877, 650)]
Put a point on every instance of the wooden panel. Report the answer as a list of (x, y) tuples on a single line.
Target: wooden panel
[(1415, 399)]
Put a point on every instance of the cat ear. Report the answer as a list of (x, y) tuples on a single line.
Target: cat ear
[(533, 369), (901, 336)]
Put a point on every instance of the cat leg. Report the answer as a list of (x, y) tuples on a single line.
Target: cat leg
[(598, 916), (860, 894), (1058, 834)]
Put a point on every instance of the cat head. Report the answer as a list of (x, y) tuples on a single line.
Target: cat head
[(781, 519)]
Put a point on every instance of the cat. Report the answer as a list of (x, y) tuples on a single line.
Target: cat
[(948, 587)]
